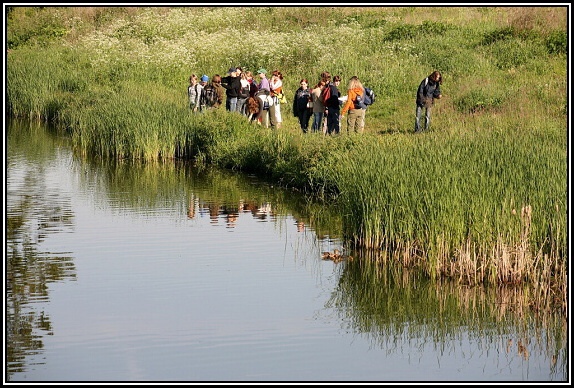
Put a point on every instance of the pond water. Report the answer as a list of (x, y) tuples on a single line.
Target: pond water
[(119, 272)]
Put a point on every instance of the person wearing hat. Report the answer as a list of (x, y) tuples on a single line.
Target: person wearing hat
[(232, 85), (264, 82), (202, 83)]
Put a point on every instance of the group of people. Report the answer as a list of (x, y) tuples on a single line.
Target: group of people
[(204, 94), (258, 101), (327, 107), (261, 101)]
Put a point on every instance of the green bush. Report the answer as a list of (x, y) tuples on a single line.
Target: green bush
[(402, 32), (497, 35), (477, 101), (557, 43)]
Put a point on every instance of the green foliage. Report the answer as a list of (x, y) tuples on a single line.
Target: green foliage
[(409, 31), (478, 100), (557, 42), (434, 28), (516, 53), (402, 32), (33, 27), (503, 33)]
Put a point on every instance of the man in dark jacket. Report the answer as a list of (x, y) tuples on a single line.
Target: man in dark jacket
[(428, 90), (332, 103), (232, 85)]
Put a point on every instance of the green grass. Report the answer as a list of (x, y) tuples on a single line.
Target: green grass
[(481, 197)]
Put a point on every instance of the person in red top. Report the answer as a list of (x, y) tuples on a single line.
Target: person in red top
[(353, 105)]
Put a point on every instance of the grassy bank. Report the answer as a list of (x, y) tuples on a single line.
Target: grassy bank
[(480, 198)]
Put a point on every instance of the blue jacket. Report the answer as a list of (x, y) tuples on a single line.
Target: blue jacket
[(428, 90)]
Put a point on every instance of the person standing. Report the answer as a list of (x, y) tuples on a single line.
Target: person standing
[(303, 105), (263, 82), (355, 106), (216, 82), (203, 83), (232, 84), (318, 107), (264, 100), (276, 87), (243, 94), (251, 104), (331, 104), (252, 84), (263, 96), (428, 90), (337, 82), (194, 93)]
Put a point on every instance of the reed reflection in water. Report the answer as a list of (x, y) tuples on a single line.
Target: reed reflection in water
[(127, 272)]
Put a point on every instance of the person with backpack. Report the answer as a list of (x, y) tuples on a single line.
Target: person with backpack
[(194, 93), (428, 90), (303, 104), (265, 101), (355, 105), (330, 96), (216, 81), (203, 83), (212, 96)]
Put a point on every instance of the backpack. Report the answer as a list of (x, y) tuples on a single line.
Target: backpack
[(369, 96), (209, 96), (244, 91), (360, 102)]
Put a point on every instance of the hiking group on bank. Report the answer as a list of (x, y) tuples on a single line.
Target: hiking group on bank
[(260, 102)]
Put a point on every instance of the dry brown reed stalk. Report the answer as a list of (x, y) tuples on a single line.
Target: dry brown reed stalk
[(407, 253), (524, 256), (511, 265), (467, 264), (506, 265), (512, 298), (550, 288)]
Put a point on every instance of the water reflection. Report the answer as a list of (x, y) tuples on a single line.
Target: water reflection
[(35, 209), (395, 310), (389, 302)]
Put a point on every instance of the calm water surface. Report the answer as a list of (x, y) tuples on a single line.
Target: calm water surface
[(118, 272)]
